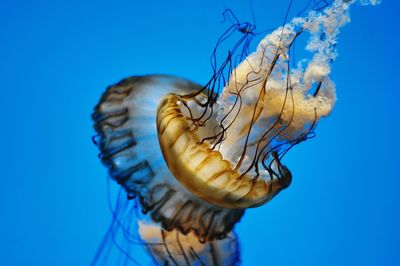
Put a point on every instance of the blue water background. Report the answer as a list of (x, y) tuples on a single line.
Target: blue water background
[(57, 57)]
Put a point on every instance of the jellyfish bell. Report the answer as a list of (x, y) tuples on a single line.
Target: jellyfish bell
[(203, 170), (125, 120)]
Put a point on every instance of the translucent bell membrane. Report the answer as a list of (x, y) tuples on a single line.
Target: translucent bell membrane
[(125, 120)]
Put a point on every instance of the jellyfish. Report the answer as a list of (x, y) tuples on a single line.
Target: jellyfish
[(193, 158), (126, 122)]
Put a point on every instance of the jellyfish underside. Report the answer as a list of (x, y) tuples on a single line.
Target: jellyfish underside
[(180, 249), (211, 177)]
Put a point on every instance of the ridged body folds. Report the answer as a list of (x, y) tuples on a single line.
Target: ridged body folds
[(203, 170)]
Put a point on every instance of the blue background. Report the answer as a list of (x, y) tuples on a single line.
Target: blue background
[(56, 58)]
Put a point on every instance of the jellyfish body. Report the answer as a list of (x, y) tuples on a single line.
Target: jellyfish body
[(195, 157)]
